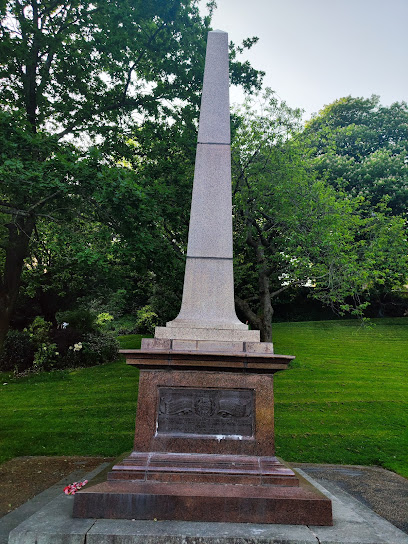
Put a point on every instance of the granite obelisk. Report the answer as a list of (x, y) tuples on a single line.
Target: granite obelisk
[(209, 252), (208, 294)]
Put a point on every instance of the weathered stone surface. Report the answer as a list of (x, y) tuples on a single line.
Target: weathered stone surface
[(185, 345), (208, 294), (210, 232), (156, 343), (52, 525), (206, 361), (214, 125), (190, 333), (178, 532), (203, 449), (209, 411), (354, 523), (301, 505), (259, 347), (151, 384), (207, 346), (201, 468)]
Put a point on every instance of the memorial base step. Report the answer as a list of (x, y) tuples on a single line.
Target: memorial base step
[(203, 468), (291, 505)]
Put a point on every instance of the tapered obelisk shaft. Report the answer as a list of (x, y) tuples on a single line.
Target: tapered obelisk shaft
[(208, 294)]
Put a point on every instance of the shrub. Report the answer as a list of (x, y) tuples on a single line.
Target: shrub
[(18, 351), (103, 320), (46, 357), (93, 349), (39, 330), (99, 348), (126, 324), (39, 347), (81, 319), (147, 319)]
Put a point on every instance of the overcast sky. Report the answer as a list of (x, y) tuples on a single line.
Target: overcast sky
[(315, 51)]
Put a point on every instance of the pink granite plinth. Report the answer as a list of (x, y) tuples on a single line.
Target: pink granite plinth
[(203, 468), (302, 505), (259, 441), (204, 446)]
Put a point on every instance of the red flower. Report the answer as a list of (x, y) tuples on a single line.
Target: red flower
[(71, 489)]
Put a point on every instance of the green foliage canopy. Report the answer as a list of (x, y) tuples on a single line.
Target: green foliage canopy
[(361, 147), (81, 73), (81, 66), (293, 229)]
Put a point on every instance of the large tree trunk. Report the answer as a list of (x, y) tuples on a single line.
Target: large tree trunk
[(261, 323), (250, 316), (263, 320), (266, 308), (16, 252)]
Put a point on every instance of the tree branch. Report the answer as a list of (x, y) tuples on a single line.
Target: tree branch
[(284, 288), (139, 58), (245, 309), (123, 100), (9, 209), (40, 202)]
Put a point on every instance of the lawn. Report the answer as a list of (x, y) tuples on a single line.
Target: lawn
[(89, 411), (344, 400)]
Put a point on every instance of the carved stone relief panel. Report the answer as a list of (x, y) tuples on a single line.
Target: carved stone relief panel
[(206, 411)]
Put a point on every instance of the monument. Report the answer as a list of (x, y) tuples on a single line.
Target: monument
[(204, 439)]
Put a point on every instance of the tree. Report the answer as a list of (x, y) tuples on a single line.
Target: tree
[(46, 182), (362, 148), (292, 229), (80, 67), (91, 72)]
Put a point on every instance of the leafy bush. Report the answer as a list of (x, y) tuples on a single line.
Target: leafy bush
[(81, 319), (85, 341), (147, 319), (46, 357), (18, 351), (125, 325), (29, 349), (39, 330), (103, 320), (99, 348), (88, 350), (82, 343)]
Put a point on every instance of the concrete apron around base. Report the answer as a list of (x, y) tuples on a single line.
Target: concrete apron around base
[(354, 523)]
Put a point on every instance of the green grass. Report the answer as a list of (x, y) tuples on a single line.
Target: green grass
[(344, 400), (88, 411), (131, 341)]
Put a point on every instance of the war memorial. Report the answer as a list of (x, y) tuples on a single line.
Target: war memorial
[(204, 439)]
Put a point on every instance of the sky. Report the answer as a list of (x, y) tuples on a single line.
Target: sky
[(316, 51)]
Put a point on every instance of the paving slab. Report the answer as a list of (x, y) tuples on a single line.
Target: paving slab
[(354, 523), (172, 532), (384, 492), (52, 524), (24, 512)]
